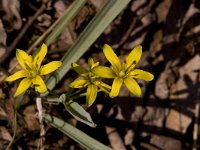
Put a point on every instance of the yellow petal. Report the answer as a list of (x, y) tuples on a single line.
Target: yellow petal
[(104, 89), (133, 86), (91, 94), (80, 70), (92, 63), (50, 67), (133, 58), (117, 83), (104, 72), (140, 74), (40, 56), (112, 57), (23, 86), (105, 85), (78, 84), (95, 64), (24, 59), (17, 75), (39, 84)]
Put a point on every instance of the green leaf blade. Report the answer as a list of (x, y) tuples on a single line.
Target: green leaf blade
[(74, 133), (87, 38), (79, 113)]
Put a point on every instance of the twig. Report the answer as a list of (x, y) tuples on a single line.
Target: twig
[(126, 35), (14, 132), (133, 23), (23, 31), (148, 146), (42, 130)]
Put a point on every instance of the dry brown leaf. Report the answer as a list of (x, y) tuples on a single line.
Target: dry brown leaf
[(3, 114), (115, 139), (98, 4), (12, 16), (129, 137), (60, 8), (137, 4), (30, 118), (166, 143), (4, 134), (44, 20), (177, 121), (162, 10), (3, 38)]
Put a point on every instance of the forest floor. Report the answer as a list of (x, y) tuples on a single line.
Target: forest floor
[(165, 117)]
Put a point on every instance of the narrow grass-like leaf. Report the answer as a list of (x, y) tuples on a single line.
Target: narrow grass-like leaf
[(79, 113), (73, 11), (76, 110), (74, 133), (93, 30)]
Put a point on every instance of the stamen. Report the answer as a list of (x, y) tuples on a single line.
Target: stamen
[(92, 79), (122, 73)]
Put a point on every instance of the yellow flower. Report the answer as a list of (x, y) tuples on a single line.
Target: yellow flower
[(123, 72), (32, 70), (89, 80)]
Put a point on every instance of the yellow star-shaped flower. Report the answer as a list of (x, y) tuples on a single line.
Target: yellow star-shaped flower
[(123, 72), (89, 80), (32, 70)]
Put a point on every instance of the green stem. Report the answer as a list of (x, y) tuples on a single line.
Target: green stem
[(74, 133), (77, 96), (80, 95)]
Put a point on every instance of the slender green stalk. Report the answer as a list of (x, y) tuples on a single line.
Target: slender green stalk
[(73, 11), (74, 133), (78, 96), (94, 29)]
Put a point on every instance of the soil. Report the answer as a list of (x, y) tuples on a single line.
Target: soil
[(165, 117)]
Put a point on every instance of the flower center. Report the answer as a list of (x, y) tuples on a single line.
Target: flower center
[(122, 73), (92, 78), (33, 73)]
